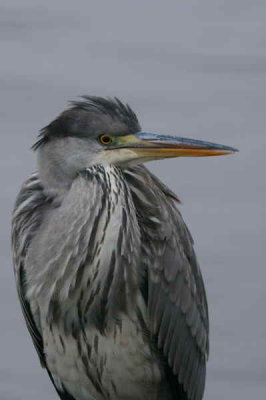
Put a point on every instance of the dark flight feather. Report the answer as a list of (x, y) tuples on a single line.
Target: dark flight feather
[(24, 225), (176, 296)]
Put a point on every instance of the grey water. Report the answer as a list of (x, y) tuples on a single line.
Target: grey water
[(194, 69)]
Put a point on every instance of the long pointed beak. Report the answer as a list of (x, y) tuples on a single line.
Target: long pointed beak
[(154, 146)]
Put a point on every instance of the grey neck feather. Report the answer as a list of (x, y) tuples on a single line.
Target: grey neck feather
[(82, 267), (60, 160)]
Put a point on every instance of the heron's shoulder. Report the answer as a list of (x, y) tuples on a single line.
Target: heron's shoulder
[(27, 214), (31, 191), (140, 176)]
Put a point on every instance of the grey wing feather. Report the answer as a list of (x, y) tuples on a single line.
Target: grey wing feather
[(25, 221), (34, 332), (176, 296), (27, 217)]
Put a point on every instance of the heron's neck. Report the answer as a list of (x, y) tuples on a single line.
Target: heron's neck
[(55, 178), (59, 162), (94, 243)]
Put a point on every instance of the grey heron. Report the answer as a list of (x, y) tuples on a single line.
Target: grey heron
[(106, 274)]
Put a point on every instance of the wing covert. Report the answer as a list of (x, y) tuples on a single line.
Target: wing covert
[(25, 221), (176, 296)]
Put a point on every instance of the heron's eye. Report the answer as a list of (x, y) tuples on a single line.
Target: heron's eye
[(105, 139)]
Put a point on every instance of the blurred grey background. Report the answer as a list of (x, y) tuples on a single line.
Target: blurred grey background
[(195, 69)]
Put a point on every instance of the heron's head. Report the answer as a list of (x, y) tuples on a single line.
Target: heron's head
[(105, 131)]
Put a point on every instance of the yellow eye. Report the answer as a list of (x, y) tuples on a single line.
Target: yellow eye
[(105, 139)]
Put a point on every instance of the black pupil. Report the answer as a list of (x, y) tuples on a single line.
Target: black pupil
[(106, 139)]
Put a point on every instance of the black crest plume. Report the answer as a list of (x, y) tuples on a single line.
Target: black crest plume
[(91, 104)]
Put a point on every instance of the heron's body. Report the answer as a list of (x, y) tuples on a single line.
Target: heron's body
[(109, 284)]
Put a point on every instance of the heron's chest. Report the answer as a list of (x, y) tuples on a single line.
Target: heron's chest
[(84, 264), (118, 364)]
